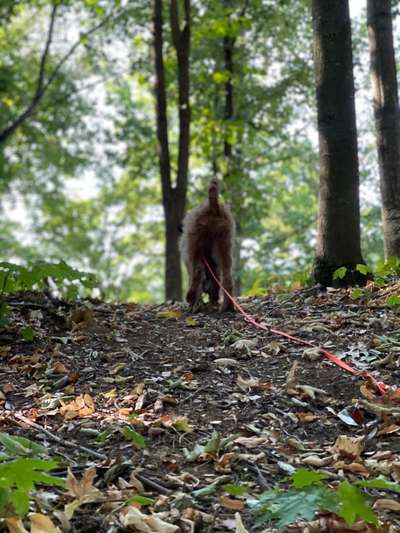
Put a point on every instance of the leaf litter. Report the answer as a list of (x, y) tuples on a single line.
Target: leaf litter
[(152, 411)]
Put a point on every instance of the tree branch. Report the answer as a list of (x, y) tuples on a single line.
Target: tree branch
[(9, 130), (42, 86)]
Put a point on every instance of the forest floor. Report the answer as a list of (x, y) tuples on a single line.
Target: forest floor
[(119, 392)]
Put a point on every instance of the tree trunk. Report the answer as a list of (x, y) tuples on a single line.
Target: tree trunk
[(387, 118), (229, 157), (338, 241), (174, 197)]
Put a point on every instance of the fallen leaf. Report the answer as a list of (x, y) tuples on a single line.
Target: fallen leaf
[(388, 430), (312, 354), (169, 314), (81, 406), (351, 447), (291, 379), (386, 504), (355, 468), (59, 368), (251, 442), (15, 525), (41, 523), (231, 503), (146, 523), (315, 460), (306, 418), (83, 487), (239, 524), (8, 387), (225, 362)]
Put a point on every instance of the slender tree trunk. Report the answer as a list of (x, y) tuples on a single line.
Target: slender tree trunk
[(230, 159), (387, 118), (338, 241), (174, 196)]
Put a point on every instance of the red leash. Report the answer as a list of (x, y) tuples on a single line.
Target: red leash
[(381, 387)]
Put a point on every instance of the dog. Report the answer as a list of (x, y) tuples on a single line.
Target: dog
[(208, 233)]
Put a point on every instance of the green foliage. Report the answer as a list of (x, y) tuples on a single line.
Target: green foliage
[(236, 490), (27, 333), (133, 436), (354, 504), (393, 301), (379, 483), (340, 273), (15, 278), (141, 500), (310, 494), (212, 447), (21, 472), (356, 293)]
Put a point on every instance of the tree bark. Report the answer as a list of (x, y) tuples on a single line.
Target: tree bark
[(338, 240), (387, 118), (173, 196)]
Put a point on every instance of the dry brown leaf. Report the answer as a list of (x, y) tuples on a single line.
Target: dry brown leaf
[(386, 504), (312, 354), (15, 525), (146, 523), (396, 471), (41, 523), (84, 486), (389, 429), (81, 406), (367, 392), (355, 468), (251, 442), (291, 380), (306, 418), (231, 503), (239, 524), (59, 368), (315, 460), (349, 446)]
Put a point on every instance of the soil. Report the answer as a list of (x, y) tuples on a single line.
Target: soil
[(97, 378)]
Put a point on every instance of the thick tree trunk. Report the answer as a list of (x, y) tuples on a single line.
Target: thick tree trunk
[(387, 118), (338, 241), (174, 197)]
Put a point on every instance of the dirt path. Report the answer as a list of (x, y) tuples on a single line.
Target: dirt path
[(180, 380)]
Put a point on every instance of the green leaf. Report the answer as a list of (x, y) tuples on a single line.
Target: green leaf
[(393, 301), (221, 77), (305, 478), (379, 483), (206, 491), (20, 501), (356, 293), (21, 445), (287, 507), (136, 438), (363, 269), (340, 273), (235, 490), (354, 504), (142, 500), (27, 333)]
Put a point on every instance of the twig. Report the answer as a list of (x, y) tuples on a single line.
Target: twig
[(60, 440), (153, 484)]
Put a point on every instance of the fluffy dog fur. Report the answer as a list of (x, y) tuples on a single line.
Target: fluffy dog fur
[(208, 232)]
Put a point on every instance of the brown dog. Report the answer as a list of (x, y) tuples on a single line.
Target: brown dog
[(208, 232)]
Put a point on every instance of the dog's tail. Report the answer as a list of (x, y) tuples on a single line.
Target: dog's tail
[(213, 192)]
